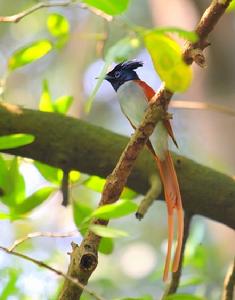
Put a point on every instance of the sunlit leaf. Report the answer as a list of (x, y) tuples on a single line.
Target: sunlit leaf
[(187, 35), (122, 50), (96, 183), (45, 103), (34, 200), (10, 287), (116, 210), (16, 189), (4, 183), (62, 104), (231, 6), (57, 25), (106, 246), (108, 232), (50, 173), (167, 60), (80, 212), (4, 216), (74, 176), (29, 53), (184, 297), (15, 140), (110, 7)]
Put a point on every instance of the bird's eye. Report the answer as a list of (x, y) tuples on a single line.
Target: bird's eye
[(117, 74)]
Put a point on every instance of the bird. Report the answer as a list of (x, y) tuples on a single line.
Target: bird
[(134, 96)]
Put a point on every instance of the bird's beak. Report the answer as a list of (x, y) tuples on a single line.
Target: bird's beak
[(108, 77)]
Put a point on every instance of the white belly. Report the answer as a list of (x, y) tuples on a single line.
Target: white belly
[(133, 104), (132, 101)]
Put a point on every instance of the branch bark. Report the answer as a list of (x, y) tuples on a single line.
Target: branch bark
[(72, 144)]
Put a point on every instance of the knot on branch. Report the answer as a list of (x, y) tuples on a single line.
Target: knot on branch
[(88, 261)]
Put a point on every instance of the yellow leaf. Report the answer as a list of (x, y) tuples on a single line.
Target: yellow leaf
[(167, 59)]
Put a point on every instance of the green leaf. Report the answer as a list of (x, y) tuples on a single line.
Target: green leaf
[(231, 6), (62, 104), (122, 50), (4, 216), (116, 210), (34, 200), (110, 7), (108, 232), (4, 182), (51, 174), (12, 141), (167, 60), (184, 297), (74, 176), (45, 103), (81, 211), (190, 36), (15, 192), (29, 54), (57, 25), (192, 281), (10, 288), (96, 184), (106, 246)]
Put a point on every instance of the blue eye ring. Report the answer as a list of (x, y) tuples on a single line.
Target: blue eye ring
[(117, 74)]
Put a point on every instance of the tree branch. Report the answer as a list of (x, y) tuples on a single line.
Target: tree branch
[(229, 283), (41, 264), (152, 194), (42, 234), (45, 4), (68, 143), (17, 17)]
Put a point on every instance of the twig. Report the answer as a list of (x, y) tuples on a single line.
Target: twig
[(65, 188), (152, 194), (202, 106), (117, 180), (229, 283), (17, 17), (175, 279), (73, 281), (45, 4), (42, 234)]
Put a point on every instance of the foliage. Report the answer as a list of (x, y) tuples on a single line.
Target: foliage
[(17, 205), (12, 141)]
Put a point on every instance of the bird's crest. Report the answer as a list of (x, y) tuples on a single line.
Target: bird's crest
[(129, 65)]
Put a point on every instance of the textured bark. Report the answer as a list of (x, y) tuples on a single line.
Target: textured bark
[(73, 144)]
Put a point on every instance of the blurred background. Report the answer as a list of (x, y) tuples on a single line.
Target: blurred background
[(206, 136)]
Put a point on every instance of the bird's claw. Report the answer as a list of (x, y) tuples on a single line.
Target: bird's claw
[(167, 116)]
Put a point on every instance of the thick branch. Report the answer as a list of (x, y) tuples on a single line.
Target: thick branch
[(72, 144)]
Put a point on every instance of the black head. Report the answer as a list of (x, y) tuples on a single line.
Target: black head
[(123, 72)]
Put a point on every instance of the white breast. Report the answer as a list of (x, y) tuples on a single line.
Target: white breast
[(133, 104)]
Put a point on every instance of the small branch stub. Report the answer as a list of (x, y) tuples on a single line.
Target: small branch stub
[(152, 194)]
